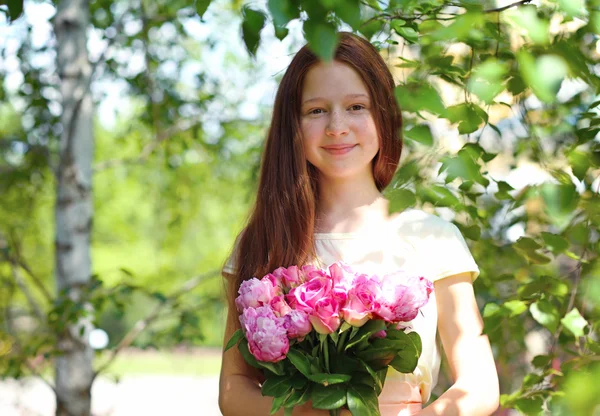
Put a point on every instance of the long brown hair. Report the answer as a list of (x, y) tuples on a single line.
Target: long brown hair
[(280, 229)]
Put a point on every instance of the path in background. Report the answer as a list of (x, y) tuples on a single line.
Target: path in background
[(178, 382), (146, 395)]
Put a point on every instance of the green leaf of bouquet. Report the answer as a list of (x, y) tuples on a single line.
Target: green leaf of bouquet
[(372, 326), (277, 403), (574, 322), (545, 313), (237, 335), (405, 361), (275, 368), (276, 386), (246, 354), (298, 381), (299, 397), (327, 379), (362, 400), (253, 23), (373, 374), (328, 397), (300, 361)]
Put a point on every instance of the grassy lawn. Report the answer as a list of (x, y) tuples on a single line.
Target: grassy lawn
[(203, 362)]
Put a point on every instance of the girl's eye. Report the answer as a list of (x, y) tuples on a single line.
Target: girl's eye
[(360, 107)]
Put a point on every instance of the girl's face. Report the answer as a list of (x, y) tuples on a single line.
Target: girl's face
[(339, 133)]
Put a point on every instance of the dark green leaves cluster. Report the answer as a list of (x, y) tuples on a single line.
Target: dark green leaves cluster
[(343, 369)]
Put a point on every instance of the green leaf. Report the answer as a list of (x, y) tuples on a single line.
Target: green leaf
[(555, 243), (376, 379), (580, 163), (400, 199), (328, 397), (418, 97), (327, 379), (466, 115), (514, 307), (530, 406), (526, 18), (275, 368), (560, 201), (365, 331), (421, 134), (486, 81), (282, 11), (237, 335), (362, 400), (322, 38), (253, 23), (574, 322), (299, 397), (349, 12), (545, 314), (276, 386), (438, 196), (250, 359), (277, 403), (201, 6), (573, 8), (544, 75), (300, 361), (15, 9)]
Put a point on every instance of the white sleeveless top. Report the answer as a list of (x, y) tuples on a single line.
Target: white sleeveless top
[(416, 241)]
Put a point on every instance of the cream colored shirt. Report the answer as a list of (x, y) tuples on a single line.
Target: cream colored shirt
[(417, 242)]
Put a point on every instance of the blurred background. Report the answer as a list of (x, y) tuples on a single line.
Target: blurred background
[(130, 142)]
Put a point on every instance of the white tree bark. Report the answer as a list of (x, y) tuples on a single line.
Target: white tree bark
[(74, 209)]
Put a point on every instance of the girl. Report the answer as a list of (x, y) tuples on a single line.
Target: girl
[(333, 145)]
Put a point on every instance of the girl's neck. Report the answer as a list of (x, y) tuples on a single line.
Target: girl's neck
[(349, 205)]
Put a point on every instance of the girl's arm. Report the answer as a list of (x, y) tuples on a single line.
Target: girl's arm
[(475, 390), (239, 389)]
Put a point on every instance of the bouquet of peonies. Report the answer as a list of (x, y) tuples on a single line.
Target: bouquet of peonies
[(329, 335)]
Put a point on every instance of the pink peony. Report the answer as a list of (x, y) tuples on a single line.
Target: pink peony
[(254, 293), (401, 301), (325, 317), (290, 277), (265, 332), (305, 296), (280, 306), (361, 300), (309, 272), (297, 324)]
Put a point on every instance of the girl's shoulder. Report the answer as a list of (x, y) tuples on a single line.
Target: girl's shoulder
[(416, 220)]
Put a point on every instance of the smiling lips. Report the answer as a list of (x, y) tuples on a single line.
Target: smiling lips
[(339, 149)]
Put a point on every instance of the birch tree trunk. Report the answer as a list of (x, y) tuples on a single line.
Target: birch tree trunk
[(74, 209)]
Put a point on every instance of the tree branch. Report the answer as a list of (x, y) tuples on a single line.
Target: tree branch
[(142, 324), (501, 9)]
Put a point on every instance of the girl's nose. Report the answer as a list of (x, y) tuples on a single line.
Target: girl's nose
[(337, 124)]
